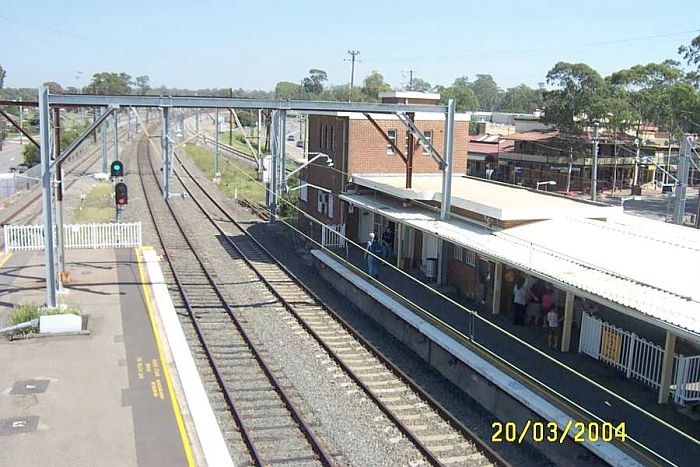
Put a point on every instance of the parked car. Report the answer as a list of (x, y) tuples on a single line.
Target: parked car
[(22, 168), (300, 143), (290, 137)]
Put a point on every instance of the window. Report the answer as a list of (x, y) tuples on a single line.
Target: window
[(325, 203), (470, 257), (459, 253), (428, 134), (392, 137), (304, 192)]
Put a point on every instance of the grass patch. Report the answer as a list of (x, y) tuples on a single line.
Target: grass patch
[(237, 179), (28, 312), (98, 206)]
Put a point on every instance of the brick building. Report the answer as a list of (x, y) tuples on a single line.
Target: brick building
[(362, 144)]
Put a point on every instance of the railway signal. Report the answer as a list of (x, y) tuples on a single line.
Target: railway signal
[(117, 169), (121, 196)]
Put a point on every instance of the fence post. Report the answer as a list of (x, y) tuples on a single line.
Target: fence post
[(679, 393), (630, 354), (5, 232), (93, 232)]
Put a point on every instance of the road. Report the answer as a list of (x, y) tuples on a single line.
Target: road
[(10, 156)]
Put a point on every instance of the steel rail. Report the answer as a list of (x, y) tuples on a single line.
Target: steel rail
[(324, 457), (485, 448)]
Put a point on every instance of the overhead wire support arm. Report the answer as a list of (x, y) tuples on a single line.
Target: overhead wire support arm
[(18, 126), (74, 145), (421, 137)]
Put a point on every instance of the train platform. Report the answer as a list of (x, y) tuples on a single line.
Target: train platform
[(655, 434), (110, 395)]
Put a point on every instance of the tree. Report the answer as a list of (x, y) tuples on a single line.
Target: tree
[(3, 73), (461, 92), (143, 83), (374, 84), (287, 90), (691, 53), (54, 87), (487, 92), (420, 85), (313, 84), (109, 83), (31, 155), (576, 103), (521, 98)]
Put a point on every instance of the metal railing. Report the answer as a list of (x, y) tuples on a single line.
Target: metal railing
[(687, 387), (333, 236), (76, 236), (637, 357)]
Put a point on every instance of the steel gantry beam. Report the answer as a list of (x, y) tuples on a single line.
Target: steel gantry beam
[(78, 141), (18, 127), (89, 100)]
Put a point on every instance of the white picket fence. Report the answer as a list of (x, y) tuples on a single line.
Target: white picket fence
[(76, 236), (333, 236), (638, 358)]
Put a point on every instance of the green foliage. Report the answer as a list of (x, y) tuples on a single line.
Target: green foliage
[(576, 101), (520, 99), (31, 155), (691, 53), (288, 90), (313, 84), (487, 92), (3, 73), (374, 84), (142, 82), (28, 312), (108, 83), (419, 85), (98, 206), (461, 92), (54, 87)]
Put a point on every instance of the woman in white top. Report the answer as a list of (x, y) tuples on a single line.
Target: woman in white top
[(519, 301)]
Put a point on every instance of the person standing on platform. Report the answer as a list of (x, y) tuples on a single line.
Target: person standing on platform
[(553, 322), (387, 243), (374, 247), (519, 301)]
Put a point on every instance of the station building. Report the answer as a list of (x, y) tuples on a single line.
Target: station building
[(618, 301)]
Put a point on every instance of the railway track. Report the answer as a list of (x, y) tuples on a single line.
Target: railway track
[(438, 435), (253, 402)]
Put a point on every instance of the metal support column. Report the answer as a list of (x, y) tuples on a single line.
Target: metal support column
[(259, 133), (59, 198), (105, 164), (497, 285), (45, 150), (635, 178), (128, 125), (568, 321), (116, 135), (667, 368), (282, 149), (398, 236), (166, 152), (447, 155), (682, 181), (216, 147), (594, 172)]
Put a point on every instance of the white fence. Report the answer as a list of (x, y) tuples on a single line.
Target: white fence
[(333, 236), (638, 358), (76, 236), (687, 387)]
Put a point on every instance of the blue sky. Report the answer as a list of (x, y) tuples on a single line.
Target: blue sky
[(254, 44)]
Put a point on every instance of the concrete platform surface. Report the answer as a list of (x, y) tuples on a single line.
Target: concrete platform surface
[(97, 399)]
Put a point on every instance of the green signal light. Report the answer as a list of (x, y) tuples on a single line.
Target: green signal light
[(117, 167)]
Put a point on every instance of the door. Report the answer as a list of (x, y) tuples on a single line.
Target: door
[(365, 226)]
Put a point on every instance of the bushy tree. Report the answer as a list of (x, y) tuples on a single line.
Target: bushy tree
[(521, 98), (143, 83), (374, 84), (288, 90), (487, 92), (461, 92), (108, 83), (419, 85), (313, 84), (54, 87), (3, 73)]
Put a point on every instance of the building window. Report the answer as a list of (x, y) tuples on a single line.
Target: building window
[(428, 134), (392, 137), (325, 203), (470, 257), (304, 192), (459, 253)]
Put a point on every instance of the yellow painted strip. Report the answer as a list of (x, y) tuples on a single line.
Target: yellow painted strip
[(166, 371), (4, 258)]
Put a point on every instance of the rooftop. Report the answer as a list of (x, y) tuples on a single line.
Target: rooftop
[(492, 199), (613, 273), (409, 95)]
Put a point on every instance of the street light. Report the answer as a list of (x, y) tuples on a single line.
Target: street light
[(549, 182), (329, 163)]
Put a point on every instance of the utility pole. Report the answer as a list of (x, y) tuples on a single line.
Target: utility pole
[(682, 181), (568, 174), (594, 171), (21, 124), (353, 54), (636, 164)]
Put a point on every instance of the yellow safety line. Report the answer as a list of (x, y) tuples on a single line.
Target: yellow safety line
[(173, 399), (4, 258)]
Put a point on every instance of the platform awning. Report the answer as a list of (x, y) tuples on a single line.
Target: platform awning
[(594, 275)]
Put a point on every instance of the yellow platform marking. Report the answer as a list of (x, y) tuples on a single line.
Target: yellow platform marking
[(4, 258), (158, 390)]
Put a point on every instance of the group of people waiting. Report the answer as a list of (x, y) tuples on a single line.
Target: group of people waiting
[(535, 303)]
